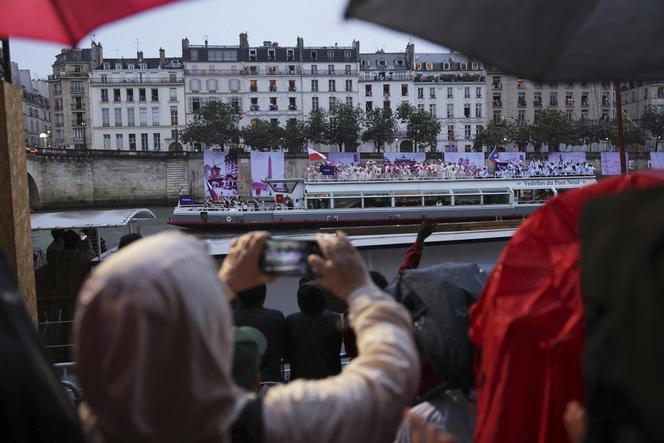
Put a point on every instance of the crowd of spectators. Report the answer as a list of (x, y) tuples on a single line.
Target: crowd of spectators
[(441, 170)]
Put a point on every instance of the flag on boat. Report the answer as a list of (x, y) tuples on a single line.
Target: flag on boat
[(315, 155), (493, 157), (210, 190)]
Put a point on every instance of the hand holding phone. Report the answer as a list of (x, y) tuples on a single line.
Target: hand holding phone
[(287, 257)]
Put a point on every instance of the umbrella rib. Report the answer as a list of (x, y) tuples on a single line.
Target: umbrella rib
[(65, 24)]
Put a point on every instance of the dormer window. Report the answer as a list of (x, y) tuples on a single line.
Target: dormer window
[(107, 65), (347, 55), (381, 63), (429, 66), (418, 66), (399, 62), (118, 66), (252, 55), (464, 66), (474, 66), (270, 54), (330, 55), (142, 66), (130, 66), (290, 55), (446, 66), (364, 62)]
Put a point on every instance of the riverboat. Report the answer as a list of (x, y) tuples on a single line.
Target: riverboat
[(337, 203)]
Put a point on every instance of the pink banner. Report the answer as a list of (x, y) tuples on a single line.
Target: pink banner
[(610, 162), (220, 172), (265, 165), (562, 157), (504, 157), (344, 158), (471, 160)]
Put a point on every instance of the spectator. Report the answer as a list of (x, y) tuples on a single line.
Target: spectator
[(56, 246), (250, 312), (128, 239), (140, 296), (250, 347), (313, 336), (71, 268), (93, 243)]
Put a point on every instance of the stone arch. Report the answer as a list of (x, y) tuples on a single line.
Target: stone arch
[(406, 146), (33, 193)]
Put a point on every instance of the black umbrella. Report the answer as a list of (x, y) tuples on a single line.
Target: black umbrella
[(539, 39), (438, 299)]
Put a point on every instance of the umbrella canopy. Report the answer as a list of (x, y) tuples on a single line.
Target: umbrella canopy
[(537, 39), (66, 21), (438, 299), (528, 323)]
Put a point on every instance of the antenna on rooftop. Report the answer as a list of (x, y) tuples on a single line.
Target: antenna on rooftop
[(94, 37), (137, 44)]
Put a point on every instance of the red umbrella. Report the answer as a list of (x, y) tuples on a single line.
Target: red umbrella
[(66, 21), (528, 324)]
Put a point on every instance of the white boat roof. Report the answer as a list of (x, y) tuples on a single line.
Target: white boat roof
[(447, 184), (89, 219), (221, 247)]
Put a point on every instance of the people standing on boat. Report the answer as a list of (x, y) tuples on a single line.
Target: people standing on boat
[(249, 311), (313, 342), (130, 392), (56, 246)]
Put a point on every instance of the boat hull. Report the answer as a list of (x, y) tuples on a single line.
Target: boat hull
[(297, 219)]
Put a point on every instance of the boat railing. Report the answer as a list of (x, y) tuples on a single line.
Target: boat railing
[(333, 179)]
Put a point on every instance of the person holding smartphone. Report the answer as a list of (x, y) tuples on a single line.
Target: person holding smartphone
[(153, 343)]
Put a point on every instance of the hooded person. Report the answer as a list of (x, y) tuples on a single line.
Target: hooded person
[(153, 337), (154, 345)]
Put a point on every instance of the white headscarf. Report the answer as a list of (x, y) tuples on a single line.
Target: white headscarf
[(154, 345)]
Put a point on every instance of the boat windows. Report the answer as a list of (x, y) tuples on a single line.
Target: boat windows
[(467, 199), (412, 200), (317, 203), (496, 197), (532, 196), (347, 202), (437, 200), (377, 202)]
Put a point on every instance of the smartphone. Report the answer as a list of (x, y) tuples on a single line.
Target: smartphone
[(287, 257)]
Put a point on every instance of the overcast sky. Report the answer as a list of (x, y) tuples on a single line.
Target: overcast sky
[(319, 22)]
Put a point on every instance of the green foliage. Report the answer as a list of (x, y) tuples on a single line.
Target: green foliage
[(344, 125), (316, 126), (421, 127), (263, 135), (553, 128), (633, 134), (490, 136), (215, 124), (380, 125), (652, 121), (294, 135)]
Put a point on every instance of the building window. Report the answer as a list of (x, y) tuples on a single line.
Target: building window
[(497, 117), (478, 110), (291, 86), (478, 92), (348, 70), (496, 83), (450, 132), (466, 92), (314, 69), (77, 86), (130, 94), (432, 109), (174, 115), (432, 92), (172, 77), (369, 106), (253, 104), (466, 110), (569, 99), (195, 104), (292, 106), (584, 114), (330, 54), (141, 94), (386, 104), (332, 84), (497, 101), (107, 141), (118, 116), (314, 103), (450, 110), (450, 92), (156, 141), (367, 91), (386, 92), (330, 69), (420, 107), (273, 104), (332, 103), (253, 86), (105, 119), (553, 99), (116, 95), (584, 99), (79, 134), (349, 101), (537, 99), (130, 117), (404, 90), (195, 85), (132, 142), (522, 116), (119, 141), (314, 85), (467, 132), (144, 142), (521, 100), (172, 94), (155, 95), (273, 86), (104, 95), (212, 85), (349, 85), (193, 53), (420, 92), (155, 116), (143, 116)]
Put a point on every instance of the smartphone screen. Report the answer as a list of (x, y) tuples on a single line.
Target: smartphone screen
[(287, 257)]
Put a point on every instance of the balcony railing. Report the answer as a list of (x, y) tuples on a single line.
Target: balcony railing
[(76, 90), (134, 81), (292, 89), (274, 108), (497, 103), (273, 89), (77, 106), (496, 85), (292, 107), (522, 103), (537, 103), (254, 108)]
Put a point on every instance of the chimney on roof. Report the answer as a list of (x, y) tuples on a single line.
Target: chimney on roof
[(185, 43), (356, 46), (206, 43), (244, 40), (162, 57), (275, 44), (267, 43), (139, 56)]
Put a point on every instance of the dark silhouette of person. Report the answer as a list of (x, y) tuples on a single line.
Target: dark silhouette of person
[(128, 239)]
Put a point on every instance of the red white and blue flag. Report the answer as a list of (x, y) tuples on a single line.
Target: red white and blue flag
[(315, 155), (211, 192), (493, 157)]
